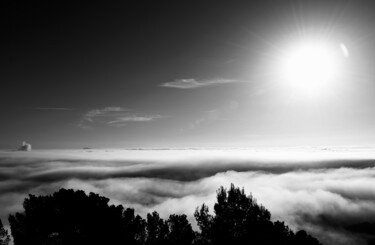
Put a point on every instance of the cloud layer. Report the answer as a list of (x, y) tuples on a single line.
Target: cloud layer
[(326, 194), (192, 83)]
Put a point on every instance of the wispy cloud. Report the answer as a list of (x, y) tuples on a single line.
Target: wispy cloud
[(113, 116), (134, 118), (54, 108), (192, 83), (104, 112)]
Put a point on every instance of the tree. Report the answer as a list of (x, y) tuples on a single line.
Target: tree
[(302, 237), (181, 231), (134, 226), (157, 229), (364, 229), (204, 221), (239, 219), (72, 217), (4, 236)]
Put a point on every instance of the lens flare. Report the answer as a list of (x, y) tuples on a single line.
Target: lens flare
[(344, 50)]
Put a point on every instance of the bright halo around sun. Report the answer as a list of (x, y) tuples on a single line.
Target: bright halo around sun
[(310, 67)]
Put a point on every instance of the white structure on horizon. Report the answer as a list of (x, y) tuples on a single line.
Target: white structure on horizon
[(25, 147)]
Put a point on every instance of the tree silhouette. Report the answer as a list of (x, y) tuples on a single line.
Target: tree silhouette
[(176, 230), (239, 219), (181, 231), (366, 230), (4, 236), (134, 226), (72, 217), (205, 223), (302, 237), (157, 229)]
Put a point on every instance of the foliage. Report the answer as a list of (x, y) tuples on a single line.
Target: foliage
[(157, 230), (72, 217), (180, 230), (240, 220)]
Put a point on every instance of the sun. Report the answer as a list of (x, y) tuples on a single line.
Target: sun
[(310, 67)]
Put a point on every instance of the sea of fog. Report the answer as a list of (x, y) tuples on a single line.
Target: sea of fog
[(329, 192)]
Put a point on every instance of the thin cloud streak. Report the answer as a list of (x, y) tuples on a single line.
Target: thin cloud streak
[(104, 112), (192, 83), (55, 108), (134, 118), (112, 116)]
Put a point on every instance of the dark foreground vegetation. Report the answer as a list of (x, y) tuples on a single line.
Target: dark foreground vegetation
[(72, 217)]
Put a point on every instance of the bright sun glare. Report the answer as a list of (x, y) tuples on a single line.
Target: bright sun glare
[(310, 67)]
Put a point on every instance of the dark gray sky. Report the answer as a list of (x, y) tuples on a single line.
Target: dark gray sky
[(180, 73)]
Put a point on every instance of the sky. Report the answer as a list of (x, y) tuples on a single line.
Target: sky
[(155, 74)]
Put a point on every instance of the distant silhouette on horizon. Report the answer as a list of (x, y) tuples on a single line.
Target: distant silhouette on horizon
[(24, 146)]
